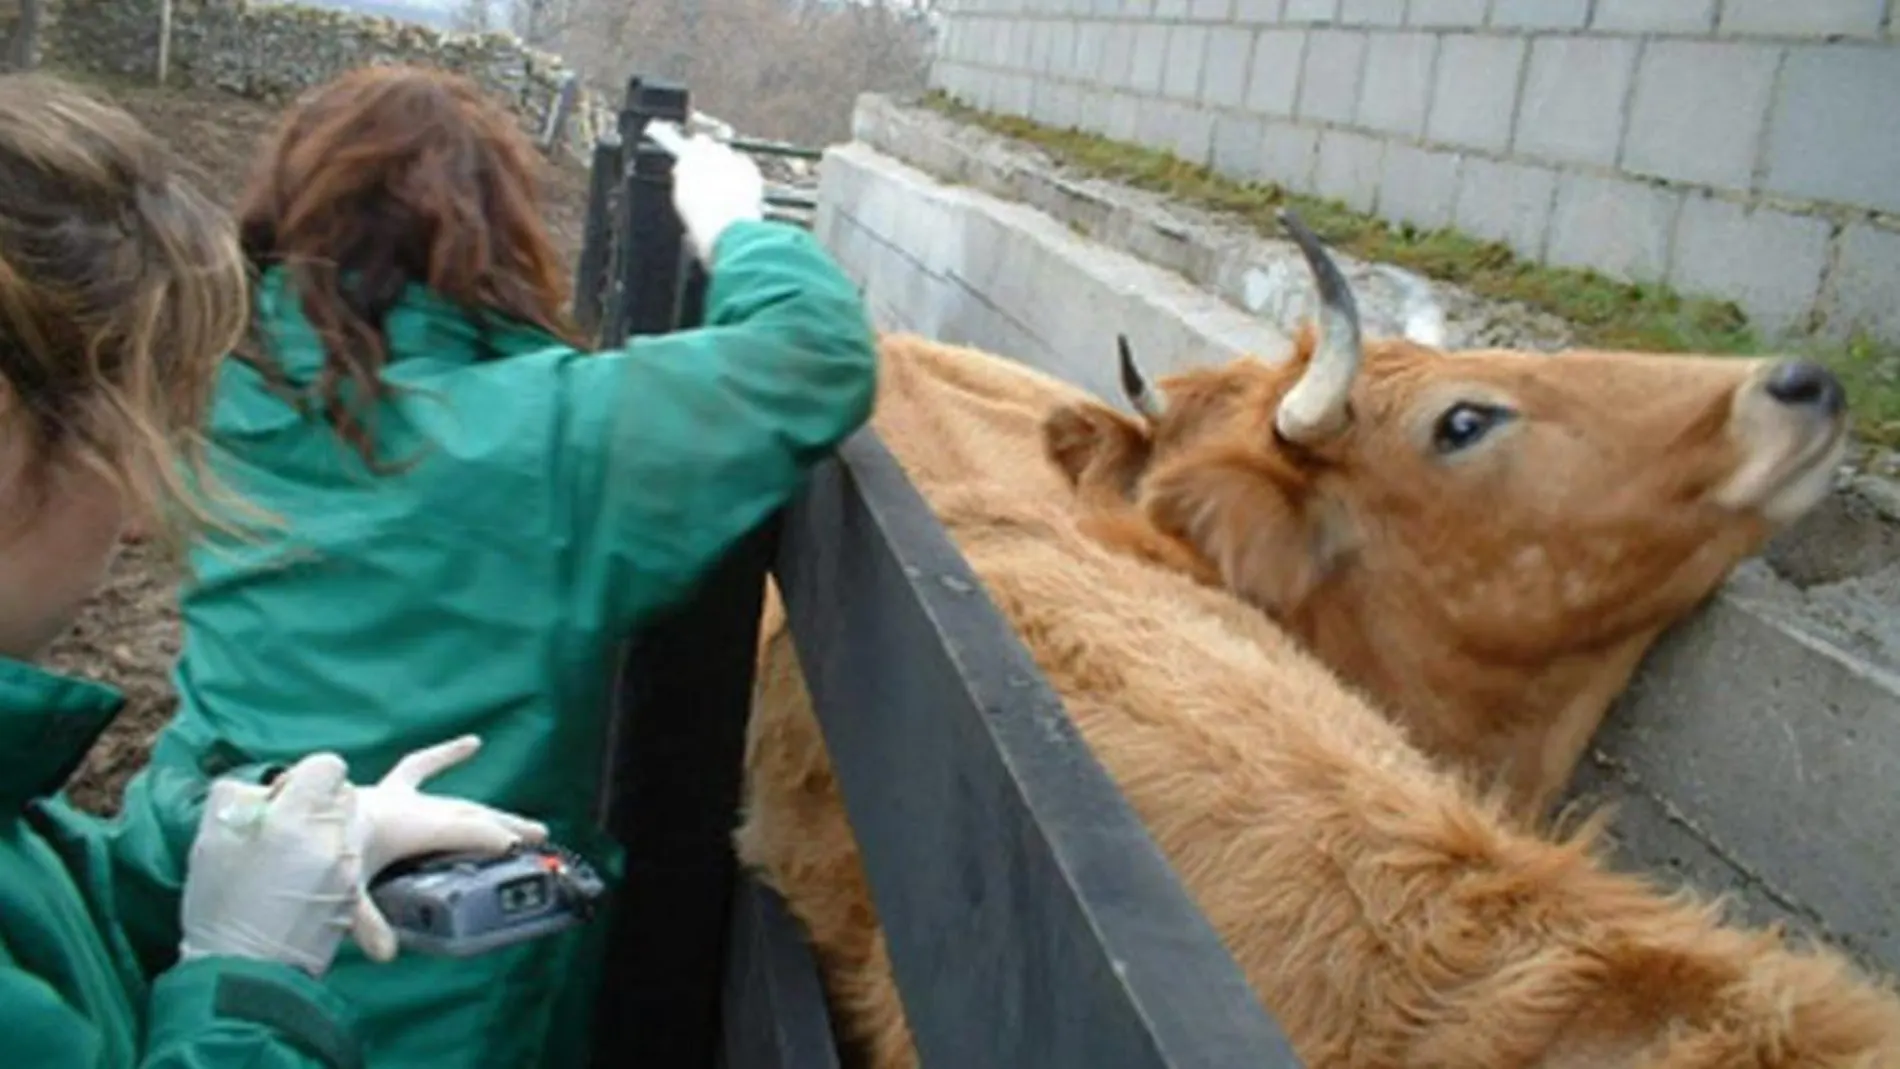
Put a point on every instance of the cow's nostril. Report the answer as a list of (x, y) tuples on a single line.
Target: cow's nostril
[(1806, 384)]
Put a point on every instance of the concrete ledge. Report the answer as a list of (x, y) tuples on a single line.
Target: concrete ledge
[(1261, 276), (1758, 750), (1753, 756), (967, 268)]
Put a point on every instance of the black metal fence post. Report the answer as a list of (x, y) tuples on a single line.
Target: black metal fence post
[(591, 274), (682, 697), (650, 238)]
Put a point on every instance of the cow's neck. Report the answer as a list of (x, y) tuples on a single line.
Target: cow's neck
[(1526, 726)]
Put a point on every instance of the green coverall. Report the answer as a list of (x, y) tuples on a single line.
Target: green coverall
[(73, 994), (552, 501)]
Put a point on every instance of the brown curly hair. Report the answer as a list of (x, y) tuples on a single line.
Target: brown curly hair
[(388, 176), (121, 287)]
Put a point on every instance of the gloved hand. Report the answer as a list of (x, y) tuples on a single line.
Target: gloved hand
[(713, 187), (396, 821), (281, 872), (273, 873)]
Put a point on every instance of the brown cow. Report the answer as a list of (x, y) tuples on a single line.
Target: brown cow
[(1385, 916), (1487, 542)]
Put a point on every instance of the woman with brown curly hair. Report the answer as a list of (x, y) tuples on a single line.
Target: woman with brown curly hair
[(481, 513), (120, 287)]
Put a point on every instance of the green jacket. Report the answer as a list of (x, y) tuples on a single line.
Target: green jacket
[(73, 993), (554, 501)]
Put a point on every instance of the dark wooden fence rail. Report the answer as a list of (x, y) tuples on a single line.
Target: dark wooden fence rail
[(1032, 922)]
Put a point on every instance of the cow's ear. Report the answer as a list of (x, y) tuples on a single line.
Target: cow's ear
[(1257, 520), (1102, 453)]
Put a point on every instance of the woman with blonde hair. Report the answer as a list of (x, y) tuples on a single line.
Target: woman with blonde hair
[(481, 512), (120, 287)]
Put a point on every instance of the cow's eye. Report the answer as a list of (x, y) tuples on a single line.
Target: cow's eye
[(1464, 424)]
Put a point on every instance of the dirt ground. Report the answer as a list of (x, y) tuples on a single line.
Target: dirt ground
[(128, 634)]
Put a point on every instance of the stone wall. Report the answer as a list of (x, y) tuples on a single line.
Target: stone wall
[(1743, 149), (272, 52), (12, 17)]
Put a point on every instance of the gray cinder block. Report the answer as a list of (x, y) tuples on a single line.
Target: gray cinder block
[(1117, 63), (1418, 186), (1150, 61), (1329, 79), (1239, 146), (1767, 261), (1540, 14), (1288, 154), (1809, 18), (1229, 57), (1572, 110), (1398, 82), (1699, 111), (1835, 133), (1507, 202), (1187, 61), (1618, 227), (1310, 11), (1866, 279), (1655, 16), (1461, 14), (1372, 12), (1348, 168), (1274, 75), (1474, 93)]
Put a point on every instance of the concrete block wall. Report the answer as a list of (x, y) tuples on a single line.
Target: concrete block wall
[(1741, 149)]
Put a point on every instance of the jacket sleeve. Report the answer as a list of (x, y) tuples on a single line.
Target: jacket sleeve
[(679, 444), (206, 1014)]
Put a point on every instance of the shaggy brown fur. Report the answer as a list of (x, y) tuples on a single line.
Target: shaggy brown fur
[(1497, 598), (1384, 916)]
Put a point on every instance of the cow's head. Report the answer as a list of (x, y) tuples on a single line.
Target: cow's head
[(1487, 541)]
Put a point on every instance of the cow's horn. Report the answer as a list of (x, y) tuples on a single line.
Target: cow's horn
[(1147, 400), (1316, 407)]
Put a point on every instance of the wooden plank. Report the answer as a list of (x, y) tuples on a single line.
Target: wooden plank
[(775, 1015), (1031, 920)]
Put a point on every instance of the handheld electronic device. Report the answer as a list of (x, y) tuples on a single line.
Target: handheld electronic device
[(459, 905)]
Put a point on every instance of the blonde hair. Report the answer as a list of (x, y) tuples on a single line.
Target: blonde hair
[(121, 287)]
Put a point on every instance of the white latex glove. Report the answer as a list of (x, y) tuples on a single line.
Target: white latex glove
[(273, 874), (714, 186), (394, 821), (366, 829)]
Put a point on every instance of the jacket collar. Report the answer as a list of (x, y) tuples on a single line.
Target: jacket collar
[(47, 723), (423, 325)]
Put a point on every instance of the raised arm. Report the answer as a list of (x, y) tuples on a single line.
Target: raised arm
[(681, 443)]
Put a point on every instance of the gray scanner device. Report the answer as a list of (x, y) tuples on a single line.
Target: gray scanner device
[(460, 905)]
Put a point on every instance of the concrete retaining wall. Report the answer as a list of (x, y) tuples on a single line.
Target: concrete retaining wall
[(1758, 748), (1743, 149)]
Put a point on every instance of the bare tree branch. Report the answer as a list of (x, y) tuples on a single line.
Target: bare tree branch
[(785, 69)]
